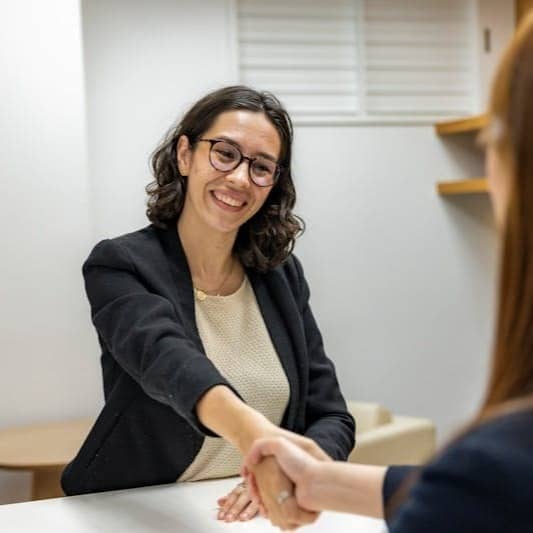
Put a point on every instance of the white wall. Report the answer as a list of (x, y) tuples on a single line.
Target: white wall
[(49, 365), (401, 279), (141, 75)]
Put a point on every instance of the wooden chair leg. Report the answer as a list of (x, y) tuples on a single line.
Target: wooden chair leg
[(45, 484)]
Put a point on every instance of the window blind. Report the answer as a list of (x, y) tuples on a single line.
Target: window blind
[(419, 57), (360, 58), (304, 51)]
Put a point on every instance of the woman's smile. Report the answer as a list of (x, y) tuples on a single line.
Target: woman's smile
[(228, 200)]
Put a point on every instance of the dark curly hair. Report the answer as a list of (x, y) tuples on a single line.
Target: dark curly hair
[(265, 240)]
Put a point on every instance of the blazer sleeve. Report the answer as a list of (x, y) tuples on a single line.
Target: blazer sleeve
[(394, 478), (327, 419), (145, 335), (455, 493)]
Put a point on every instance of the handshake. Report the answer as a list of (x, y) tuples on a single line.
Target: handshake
[(279, 473)]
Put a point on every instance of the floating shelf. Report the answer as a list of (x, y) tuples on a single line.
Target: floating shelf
[(463, 125), (471, 124), (467, 186)]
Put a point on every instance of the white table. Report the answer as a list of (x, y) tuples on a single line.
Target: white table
[(184, 507)]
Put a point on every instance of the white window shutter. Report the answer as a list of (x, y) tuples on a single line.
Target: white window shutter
[(304, 51), (419, 57), (361, 60)]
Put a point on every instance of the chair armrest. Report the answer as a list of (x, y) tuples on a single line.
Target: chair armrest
[(405, 440), (369, 415)]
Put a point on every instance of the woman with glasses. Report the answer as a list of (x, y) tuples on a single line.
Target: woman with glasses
[(208, 341), (482, 481)]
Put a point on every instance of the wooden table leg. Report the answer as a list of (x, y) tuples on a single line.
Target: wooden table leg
[(45, 484)]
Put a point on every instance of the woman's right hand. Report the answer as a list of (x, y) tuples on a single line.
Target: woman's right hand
[(297, 464), (259, 429), (272, 482), (269, 480)]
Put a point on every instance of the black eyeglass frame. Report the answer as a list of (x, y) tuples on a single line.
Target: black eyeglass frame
[(243, 157)]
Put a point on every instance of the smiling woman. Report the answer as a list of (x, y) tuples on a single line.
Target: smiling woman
[(208, 341), (266, 239)]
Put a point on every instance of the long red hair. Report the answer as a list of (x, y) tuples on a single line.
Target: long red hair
[(510, 133), (511, 111)]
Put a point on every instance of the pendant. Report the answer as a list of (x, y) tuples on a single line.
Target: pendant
[(200, 295)]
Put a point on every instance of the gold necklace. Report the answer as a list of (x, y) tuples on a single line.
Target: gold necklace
[(202, 294)]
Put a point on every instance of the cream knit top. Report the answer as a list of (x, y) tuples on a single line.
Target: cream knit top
[(236, 340)]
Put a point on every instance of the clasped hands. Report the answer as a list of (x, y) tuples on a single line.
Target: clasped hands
[(275, 482)]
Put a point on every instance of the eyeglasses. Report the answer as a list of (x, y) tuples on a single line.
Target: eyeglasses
[(226, 157)]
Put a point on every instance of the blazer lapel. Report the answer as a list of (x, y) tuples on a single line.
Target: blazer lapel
[(181, 277)]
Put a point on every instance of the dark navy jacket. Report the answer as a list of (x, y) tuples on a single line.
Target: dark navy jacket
[(155, 369), (481, 483)]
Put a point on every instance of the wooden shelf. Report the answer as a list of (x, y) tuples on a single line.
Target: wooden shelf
[(463, 125), (467, 186)]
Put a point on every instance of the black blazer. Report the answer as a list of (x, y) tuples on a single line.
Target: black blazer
[(155, 369), (481, 483)]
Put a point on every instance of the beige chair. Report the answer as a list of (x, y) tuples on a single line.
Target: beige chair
[(383, 438)]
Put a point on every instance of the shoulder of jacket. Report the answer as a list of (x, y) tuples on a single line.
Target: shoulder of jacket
[(141, 237), (498, 449), (503, 431), (126, 246), (131, 242)]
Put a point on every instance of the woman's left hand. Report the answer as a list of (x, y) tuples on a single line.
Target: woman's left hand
[(237, 505)]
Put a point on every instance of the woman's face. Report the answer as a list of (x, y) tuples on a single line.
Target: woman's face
[(224, 201), (499, 180)]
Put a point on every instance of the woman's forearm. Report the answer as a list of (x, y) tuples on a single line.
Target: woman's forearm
[(224, 413), (347, 487)]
